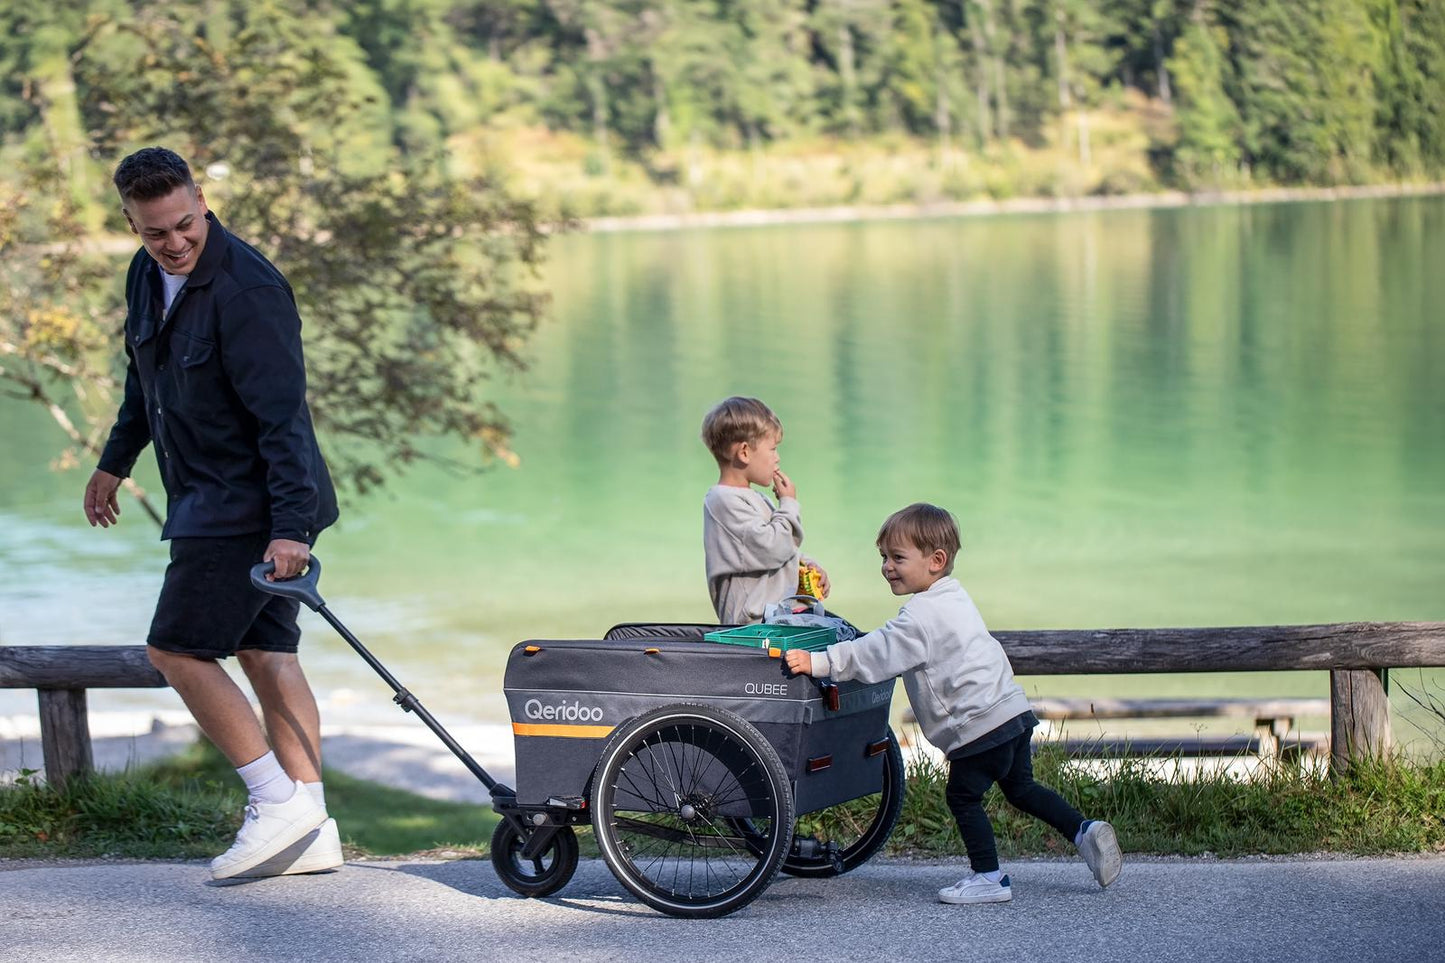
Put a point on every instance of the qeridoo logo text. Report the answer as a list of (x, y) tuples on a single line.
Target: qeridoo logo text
[(562, 711)]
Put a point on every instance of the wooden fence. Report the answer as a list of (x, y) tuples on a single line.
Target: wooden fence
[(62, 674), (1356, 654)]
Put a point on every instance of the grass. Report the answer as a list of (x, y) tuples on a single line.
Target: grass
[(1392, 806), (190, 806)]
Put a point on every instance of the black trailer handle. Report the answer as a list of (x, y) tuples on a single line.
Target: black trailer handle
[(303, 588), (300, 587)]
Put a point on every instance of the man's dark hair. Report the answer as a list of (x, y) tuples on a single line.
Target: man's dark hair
[(150, 173)]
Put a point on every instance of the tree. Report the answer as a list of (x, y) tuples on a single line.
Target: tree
[(416, 288), (1080, 61), (1208, 122), (1303, 87)]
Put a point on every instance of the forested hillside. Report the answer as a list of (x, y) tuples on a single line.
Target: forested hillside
[(620, 105)]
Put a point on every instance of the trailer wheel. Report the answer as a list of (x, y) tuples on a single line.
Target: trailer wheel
[(540, 875), (668, 794), (858, 828)]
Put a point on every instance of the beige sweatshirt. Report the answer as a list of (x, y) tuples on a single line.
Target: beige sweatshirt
[(957, 676), (751, 551)]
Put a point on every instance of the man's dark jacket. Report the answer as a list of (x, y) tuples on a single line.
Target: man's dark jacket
[(219, 385)]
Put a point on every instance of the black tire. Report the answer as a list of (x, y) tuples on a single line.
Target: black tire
[(541, 875), (859, 827), (667, 796)]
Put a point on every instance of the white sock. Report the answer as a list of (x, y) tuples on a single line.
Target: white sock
[(317, 793), (266, 781), (994, 876)]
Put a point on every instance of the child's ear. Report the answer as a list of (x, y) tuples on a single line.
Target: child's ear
[(938, 560), (743, 452)]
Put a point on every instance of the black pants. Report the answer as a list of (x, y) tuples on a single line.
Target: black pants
[(1010, 766)]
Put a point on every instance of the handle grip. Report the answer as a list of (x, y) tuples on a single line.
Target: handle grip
[(300, 587)]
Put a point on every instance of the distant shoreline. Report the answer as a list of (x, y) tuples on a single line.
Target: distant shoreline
[(988, 208), (846, 214)]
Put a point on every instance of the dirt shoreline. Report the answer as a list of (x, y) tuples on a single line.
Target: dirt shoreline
[(993, 208)]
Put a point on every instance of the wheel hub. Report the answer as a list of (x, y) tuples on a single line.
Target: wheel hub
[(694, 808)]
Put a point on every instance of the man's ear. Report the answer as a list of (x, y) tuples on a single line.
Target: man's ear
[(201, 200), (133, 229)]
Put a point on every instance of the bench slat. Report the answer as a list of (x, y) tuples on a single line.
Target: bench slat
[(1057, 708), (1184, 747)]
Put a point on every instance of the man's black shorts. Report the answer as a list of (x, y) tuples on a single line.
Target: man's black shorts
[(208, 607)]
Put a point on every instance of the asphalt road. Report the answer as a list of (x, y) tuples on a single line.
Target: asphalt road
[(1159, 910)]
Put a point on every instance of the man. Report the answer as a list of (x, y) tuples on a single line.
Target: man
[(217, 383)]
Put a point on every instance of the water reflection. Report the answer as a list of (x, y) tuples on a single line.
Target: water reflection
[(1183, 417)]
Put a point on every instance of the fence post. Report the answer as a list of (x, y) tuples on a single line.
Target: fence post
[(64, 734), (1359, 716)]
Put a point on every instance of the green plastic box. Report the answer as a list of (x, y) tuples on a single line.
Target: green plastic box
[(783, 637)]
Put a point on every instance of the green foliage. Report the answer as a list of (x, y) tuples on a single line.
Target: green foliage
[(1323, 91), (190, 806), (1304, 88), (417, 285), (1207, 152), (126, 815)]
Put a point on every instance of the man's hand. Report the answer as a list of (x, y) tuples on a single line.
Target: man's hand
[(290, 558), (783, 485), (101, 506), (800, 661)]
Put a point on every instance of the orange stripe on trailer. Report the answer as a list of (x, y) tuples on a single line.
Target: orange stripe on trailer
[(565, 732)]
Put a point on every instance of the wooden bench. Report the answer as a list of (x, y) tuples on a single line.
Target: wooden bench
[(1273, 720)]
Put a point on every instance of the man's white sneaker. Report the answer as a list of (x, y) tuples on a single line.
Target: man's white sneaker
[(269, 828), (974, 888), (1100, 848), (316, 852)]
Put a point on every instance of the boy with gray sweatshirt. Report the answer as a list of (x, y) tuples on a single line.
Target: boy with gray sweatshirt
[(964, 696), (752, 547)]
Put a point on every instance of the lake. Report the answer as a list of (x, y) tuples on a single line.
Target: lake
[(1225, 415)]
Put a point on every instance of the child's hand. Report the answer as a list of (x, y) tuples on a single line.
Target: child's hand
[(800, 661), (824, 586), (783, 485)]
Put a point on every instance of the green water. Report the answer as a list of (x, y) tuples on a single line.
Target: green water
[(1213, 416)]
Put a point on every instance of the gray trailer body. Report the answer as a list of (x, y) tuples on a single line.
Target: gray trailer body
[(567, 697)]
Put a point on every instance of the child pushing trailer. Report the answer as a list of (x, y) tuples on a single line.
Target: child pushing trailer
[(691, 760)]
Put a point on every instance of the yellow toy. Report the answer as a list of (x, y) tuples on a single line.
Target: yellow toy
[(810, 580)]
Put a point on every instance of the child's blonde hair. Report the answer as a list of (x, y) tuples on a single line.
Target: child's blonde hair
[(926, 527), (735, 420)]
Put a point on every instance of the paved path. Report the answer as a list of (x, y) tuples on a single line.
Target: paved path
[(1311, 910)]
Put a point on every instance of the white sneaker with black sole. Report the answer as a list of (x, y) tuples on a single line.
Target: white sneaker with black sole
[(975, 888), (268, 830), (1099, 846), (319, 851)]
